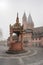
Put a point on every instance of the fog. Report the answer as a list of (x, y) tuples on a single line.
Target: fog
[(9, 9)]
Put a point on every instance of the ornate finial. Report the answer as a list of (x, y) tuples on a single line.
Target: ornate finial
[(17, 19)]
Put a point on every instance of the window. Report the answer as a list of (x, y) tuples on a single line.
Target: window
[(39, 38), (36, 38), (33, 38)]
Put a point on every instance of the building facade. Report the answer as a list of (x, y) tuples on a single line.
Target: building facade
[(31, 36)]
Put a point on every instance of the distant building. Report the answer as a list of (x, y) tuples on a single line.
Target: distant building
[(33, 36)]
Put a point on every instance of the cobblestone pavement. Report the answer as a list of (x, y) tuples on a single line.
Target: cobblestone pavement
[(34, 56)]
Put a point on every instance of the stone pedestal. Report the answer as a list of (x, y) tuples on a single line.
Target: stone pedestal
[(16, 46)]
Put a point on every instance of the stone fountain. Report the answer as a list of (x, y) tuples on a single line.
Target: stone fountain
[(15, 41)]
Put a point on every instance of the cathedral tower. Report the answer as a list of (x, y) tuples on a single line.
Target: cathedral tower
[(24, 21), (30, 22)]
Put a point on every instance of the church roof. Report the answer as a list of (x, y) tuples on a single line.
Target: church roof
[(38, 29), (24, 18), (30, 19), (37, 32)]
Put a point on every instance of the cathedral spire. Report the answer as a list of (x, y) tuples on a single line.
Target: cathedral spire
[(24, 17), (30, 21), (17, 19), (24, 21)]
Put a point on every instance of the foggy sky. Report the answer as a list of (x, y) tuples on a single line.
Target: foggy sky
[(9, 9)]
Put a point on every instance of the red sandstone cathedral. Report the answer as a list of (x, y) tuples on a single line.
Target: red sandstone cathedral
[(31, 36)]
